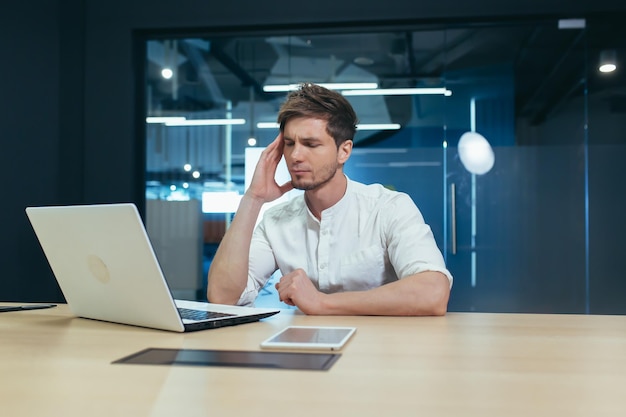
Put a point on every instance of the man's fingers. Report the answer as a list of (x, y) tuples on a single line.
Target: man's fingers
[(276, 145), (286, 300)]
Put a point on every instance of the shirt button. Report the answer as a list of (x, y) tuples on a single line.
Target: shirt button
[(322, 266)]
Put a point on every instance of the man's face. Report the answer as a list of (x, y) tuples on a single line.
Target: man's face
[(311, 153)]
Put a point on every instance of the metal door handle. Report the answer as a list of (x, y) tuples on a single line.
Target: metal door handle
[(453, 215)]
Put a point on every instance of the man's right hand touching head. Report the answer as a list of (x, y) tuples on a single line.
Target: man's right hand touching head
[(263, 186)]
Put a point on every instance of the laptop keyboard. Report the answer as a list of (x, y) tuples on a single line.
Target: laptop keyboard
[(190, 314)]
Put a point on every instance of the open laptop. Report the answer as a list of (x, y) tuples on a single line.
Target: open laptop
[(107, 269)]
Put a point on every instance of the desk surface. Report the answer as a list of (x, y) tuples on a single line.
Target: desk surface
[(463, 364)]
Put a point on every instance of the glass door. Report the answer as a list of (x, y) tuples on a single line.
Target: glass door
[(516, 171)]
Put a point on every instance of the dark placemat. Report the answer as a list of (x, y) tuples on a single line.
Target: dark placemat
[(232, 358)]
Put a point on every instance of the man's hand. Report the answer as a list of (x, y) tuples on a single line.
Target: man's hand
[(296, 289), (263, 186)]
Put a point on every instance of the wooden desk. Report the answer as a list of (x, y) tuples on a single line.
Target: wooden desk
[(464, 364)]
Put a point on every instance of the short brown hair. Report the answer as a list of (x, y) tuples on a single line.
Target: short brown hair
[(311, 100)]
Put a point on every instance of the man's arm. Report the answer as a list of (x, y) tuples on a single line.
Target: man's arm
[(423, 294), (228, 274)]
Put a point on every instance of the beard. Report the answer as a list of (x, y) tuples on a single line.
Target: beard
[(318, 178)]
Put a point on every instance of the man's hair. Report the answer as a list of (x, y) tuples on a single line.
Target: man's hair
[(311, 100)]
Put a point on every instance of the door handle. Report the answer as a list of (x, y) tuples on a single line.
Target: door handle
[(453, 216)]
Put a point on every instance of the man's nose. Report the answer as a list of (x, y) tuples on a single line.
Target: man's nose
[(296, 152)]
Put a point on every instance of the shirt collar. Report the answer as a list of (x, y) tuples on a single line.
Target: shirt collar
[(339, 205)]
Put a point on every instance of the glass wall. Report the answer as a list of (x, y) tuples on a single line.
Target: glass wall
[(504, 133)]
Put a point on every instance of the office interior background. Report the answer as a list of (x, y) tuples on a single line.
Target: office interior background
[(535, 225)]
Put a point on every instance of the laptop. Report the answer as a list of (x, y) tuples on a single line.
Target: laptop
[(106, 267)]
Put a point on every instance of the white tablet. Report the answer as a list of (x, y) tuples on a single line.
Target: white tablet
[(310, 337)]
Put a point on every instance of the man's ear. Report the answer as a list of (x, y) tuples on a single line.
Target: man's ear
[(344, 151)]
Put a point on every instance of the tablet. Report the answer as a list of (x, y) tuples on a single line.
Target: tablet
[(310, 337)]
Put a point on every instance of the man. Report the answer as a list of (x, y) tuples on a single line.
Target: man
[(342, 247)]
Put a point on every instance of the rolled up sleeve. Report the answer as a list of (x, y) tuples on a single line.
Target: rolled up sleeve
[(410, 242)]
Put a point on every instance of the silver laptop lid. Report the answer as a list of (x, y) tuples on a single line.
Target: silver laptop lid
[(105, 265)]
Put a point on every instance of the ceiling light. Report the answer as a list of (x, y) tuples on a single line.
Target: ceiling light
[(167, 73), (281, 88), (267, 125), (206, 122), (608, 62), (164, 119), (607, 68), (378, 126), (363, 61), (398, 91), (572, 23)]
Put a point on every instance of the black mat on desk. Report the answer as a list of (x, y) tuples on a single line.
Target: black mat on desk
[(232, 358)]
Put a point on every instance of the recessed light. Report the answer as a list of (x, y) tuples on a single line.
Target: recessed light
[(167, 73)]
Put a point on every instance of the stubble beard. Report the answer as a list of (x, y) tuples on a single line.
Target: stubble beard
[(327, 173)]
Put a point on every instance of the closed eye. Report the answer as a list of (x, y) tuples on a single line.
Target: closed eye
[(312, 143)]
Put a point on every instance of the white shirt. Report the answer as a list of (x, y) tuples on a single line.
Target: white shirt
[(372, 236)]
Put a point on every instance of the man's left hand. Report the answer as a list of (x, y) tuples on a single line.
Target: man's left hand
[(296, 289)]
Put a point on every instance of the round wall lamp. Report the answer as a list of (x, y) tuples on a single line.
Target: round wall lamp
[(476, 153)]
